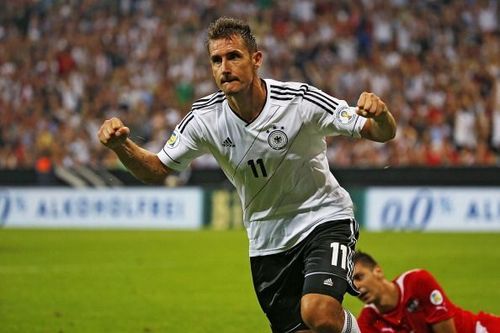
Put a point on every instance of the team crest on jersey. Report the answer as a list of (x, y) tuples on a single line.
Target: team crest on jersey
[(174, 139), (277, 139), (345, 115), (436, 297)]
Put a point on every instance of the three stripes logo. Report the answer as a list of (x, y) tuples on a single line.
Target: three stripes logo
[(228, 143), (328, 282)]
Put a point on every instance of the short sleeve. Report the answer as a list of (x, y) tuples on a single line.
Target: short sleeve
[(332, 116), (435, 304), (184, 145)]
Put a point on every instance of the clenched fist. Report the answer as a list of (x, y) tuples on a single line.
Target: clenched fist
[(370, 105), (113, 133)]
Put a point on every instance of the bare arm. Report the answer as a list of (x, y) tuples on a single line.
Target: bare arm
[(143, 164), (380, 125), (445, 326)]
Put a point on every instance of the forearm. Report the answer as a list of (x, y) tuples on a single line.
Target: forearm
[(381, 128), (143, 164)]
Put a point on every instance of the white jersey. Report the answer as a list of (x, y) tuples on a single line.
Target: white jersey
[(277, 162)]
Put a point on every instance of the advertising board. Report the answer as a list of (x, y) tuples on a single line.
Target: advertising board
[(102, 208), (433, 208)]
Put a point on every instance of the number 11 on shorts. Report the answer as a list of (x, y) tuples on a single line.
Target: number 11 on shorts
[(336, 254)]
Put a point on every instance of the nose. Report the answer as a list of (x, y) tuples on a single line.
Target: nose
[(225, 66)]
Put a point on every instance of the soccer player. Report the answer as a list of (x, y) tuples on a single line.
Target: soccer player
[(269, 139), (412, 302)]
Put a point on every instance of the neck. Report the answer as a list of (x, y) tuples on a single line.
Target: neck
[(249, 104), (390, 299)]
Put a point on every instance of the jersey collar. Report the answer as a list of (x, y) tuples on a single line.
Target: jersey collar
[(261, 115)]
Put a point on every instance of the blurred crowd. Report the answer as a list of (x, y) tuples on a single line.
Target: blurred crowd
[(65, 66)]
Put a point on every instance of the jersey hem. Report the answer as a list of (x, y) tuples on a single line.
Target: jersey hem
[(258, 253)]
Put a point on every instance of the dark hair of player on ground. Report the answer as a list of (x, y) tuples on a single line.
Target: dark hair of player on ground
[(365, 259)]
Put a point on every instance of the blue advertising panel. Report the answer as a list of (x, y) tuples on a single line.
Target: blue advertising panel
[(433, 208), (106, 208)]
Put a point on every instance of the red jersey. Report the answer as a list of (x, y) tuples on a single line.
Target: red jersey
[(423, 303)]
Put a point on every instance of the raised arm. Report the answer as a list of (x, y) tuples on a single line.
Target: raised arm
[(143, 164), (380, 125)]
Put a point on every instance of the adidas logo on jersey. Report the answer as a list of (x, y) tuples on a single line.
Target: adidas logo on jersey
[(228, 142), (328, 282)]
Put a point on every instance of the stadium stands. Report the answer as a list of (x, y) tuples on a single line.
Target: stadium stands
[(67, 65)]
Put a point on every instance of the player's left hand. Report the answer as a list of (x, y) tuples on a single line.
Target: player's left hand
[(370, 105)]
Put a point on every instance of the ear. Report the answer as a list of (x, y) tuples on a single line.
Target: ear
[(378, 272), (257, 58)]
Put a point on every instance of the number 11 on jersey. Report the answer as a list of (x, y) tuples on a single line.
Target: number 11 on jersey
[(253, 164)]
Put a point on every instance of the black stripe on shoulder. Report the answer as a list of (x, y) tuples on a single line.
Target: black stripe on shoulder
[(183, 126), (208, 99), (287, 98), (320, 100), (323, 96), (184, 119), (301, 89), (169, 156), (306, 97), (282, 87), (213, 102), (286, 93)]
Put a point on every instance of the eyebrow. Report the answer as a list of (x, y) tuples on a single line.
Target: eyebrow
[(235, 52), (230, 53)]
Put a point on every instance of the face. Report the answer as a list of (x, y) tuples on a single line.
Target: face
[(234, 68), (369, 282)]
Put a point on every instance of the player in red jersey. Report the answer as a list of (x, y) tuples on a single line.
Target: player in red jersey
[(414, 302)]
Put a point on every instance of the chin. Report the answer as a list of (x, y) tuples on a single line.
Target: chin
[(231, 92), (232, 88)]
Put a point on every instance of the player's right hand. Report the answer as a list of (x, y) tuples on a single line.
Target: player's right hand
[(113, 133)]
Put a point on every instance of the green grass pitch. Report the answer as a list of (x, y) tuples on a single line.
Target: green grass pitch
[(185, 281)]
